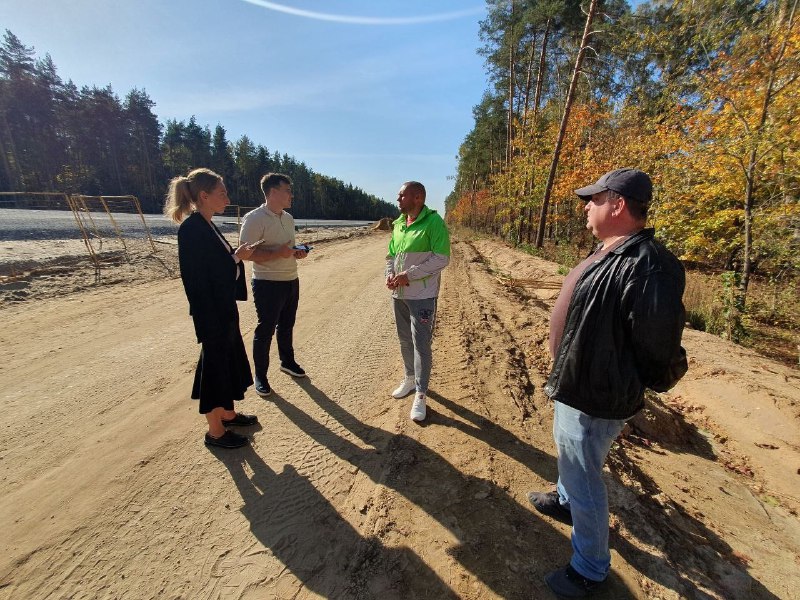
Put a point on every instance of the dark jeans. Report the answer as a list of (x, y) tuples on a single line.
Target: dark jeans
[(276, 307)]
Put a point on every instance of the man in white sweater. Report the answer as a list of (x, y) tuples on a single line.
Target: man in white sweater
[(276, 287)]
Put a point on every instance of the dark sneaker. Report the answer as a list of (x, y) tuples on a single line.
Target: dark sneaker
[(548, 503), (568, 583), (293, 369), (241, 420), (229, 440), (263, 389)]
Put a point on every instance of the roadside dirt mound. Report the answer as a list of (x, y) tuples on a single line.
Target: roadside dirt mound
[(385, 224), (706, 481)]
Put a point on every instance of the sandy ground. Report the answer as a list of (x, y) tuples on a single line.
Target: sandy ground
[(109, 492)]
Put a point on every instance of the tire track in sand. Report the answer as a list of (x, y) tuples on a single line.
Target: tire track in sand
[(271, 521)]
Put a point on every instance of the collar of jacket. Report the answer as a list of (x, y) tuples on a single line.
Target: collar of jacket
[(636, 238), (420, 217)]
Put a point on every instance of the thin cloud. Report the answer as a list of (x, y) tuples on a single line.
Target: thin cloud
[(377, 156), (357, 20)]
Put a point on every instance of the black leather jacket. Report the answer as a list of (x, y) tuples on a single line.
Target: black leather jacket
[(622, 331)]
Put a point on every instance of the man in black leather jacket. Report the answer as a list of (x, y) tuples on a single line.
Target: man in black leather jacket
[(615, 330)]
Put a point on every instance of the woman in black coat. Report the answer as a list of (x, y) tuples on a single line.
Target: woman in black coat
[(213, 277)]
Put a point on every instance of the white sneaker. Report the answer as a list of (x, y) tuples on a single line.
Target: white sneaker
[(405, 388), (418, 411)]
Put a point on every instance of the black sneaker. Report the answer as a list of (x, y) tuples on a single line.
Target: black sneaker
[(568, 583), (548, 503), (228, 440), (293, 369), (263, 389)]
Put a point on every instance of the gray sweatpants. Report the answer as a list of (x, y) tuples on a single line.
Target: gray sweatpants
[(415, 320)]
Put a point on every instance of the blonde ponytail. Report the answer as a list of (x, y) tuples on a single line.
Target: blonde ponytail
[(184, 191)]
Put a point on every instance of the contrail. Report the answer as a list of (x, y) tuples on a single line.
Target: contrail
[(355, 20)]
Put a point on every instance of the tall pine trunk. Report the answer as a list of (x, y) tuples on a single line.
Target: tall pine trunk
[(752, 165), (573, 84), (537, 99), (511, 60), (527, 94)]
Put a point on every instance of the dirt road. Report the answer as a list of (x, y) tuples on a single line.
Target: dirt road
[(109, 492)]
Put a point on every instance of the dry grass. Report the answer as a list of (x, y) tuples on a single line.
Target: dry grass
[(771, 321)]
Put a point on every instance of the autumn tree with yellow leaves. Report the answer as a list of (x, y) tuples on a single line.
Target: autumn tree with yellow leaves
[(701, 94)]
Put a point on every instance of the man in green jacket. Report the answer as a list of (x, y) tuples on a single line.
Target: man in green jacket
[(418, 252)]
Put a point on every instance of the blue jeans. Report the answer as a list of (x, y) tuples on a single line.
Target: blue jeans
[(583, 443), (415, 320)]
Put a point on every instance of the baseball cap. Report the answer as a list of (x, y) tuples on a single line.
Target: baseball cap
[(631, 183)]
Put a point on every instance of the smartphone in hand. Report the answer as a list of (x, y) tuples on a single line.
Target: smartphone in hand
[(303, 247)]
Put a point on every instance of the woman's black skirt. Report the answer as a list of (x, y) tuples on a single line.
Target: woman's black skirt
[(223, 372)]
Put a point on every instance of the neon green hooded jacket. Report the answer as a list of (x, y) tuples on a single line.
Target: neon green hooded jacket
[(422, 250)]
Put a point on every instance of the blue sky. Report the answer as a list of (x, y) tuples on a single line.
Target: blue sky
[(374, 93)]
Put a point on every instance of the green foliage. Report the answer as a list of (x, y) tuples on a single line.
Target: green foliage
[(716, 307), (732, 315), (696, 320)]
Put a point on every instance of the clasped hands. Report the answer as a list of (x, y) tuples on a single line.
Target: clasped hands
[(395, 281)]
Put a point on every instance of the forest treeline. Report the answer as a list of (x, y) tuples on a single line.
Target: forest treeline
[(57, 137), (701, 94)]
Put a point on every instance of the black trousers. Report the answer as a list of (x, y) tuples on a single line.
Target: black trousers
[(276, 308)]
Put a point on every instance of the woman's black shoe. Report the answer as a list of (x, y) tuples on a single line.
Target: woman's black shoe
[(228, 440)]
